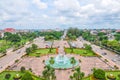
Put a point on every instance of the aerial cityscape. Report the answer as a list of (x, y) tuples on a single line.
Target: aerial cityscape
[(59, 40)]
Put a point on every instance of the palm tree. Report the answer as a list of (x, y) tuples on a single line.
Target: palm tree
[(50, 50), (77, 75), (49, 73), (52, 61), (73, 61)]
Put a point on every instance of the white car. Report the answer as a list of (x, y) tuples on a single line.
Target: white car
[(114, 60)]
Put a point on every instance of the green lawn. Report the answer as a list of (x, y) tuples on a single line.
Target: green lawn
[(81, 52), (42, 51), (13, 73), (86, 78)]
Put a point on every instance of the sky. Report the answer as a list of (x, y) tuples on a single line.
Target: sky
[(50, 14)]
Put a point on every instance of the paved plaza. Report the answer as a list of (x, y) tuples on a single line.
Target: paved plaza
[(37, 65)]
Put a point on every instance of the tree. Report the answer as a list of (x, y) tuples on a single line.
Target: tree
[(14, 38), (34, 46), (50, 49), (99, 74), (27, 76), (77, 75), (117, 36), (104, 42), (28, 50), (87, 47), (73, 33), (49, 73), (52, 61), (72, 61), (119, 76), (52, 35), (7, 76), (22, 69), (6, 36)]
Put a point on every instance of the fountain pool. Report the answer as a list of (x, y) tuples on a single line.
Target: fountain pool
[(61, 62)]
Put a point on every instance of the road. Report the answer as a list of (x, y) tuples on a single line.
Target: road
[(64, 35), (111, 56), (10, 58)]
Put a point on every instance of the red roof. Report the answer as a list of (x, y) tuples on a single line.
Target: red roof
[(9, 30), (117, 30)]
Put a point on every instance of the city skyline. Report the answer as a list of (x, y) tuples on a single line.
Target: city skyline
[(44, 14)]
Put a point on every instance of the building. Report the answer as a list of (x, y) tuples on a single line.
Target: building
[(118, 31), (93, 32), (10, 30)]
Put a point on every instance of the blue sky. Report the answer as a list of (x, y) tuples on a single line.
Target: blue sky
[(50, 14)]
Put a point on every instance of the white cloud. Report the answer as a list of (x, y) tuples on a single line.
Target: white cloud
[(67, 4), (45, 16), (90, 9), (111, 5), (68, 12), (62, 19), (13, 10), (40, 4), (13, 6)]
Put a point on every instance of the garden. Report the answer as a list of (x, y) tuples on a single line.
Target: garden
[(18, 75), (79, 51), (100, 74), (42, 51)]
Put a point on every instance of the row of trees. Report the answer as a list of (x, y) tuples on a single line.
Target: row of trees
[(52, 35), (73, 33), (16, 40), (114, 44), (102, 40)]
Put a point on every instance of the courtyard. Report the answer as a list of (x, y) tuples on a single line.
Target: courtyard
[(37, 65)]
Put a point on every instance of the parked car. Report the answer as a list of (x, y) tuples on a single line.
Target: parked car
[(104, 53)]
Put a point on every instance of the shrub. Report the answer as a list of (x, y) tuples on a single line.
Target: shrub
[(7, 76), (99, 74), (16, 61), (30, 69), (116, 67), (22, 69)]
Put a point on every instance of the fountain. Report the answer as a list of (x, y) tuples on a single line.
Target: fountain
[(61, 62)]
